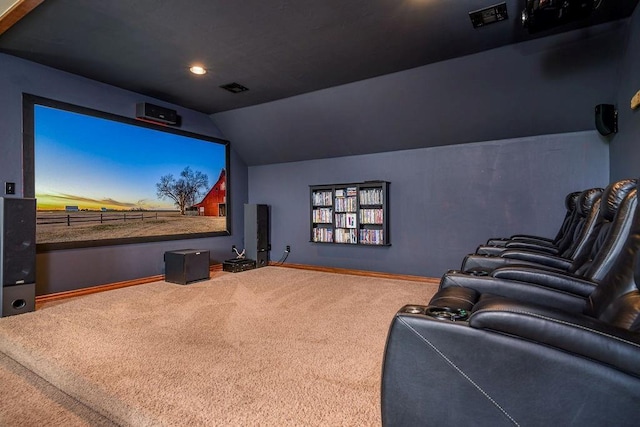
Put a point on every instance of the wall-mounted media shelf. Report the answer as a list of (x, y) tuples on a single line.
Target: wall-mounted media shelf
[(353, 214)]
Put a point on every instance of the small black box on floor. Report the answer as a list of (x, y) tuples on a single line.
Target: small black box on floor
[(239, 264), (186, 266)]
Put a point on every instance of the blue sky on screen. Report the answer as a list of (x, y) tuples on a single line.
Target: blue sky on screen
[(92, 162)]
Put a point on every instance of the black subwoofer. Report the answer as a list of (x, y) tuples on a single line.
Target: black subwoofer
[(17, 255), (186, 266)]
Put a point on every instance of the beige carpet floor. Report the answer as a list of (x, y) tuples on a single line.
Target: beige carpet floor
[(28, 400), (270, 347)]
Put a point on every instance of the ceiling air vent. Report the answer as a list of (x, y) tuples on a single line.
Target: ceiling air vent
[(234, 87), (489, 15)]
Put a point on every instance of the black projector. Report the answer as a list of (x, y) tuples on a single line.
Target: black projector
[(540, 15)]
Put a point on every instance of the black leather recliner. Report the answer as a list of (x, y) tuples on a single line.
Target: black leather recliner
[(557, 245), (570, 289), (506, 362), (588, 227)]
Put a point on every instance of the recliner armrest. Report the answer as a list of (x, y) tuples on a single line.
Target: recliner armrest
[(543, 259), (516, 290), (490, 250), (517, 244), (530, 237), (488, 263), (552, 279), (526, 245), (498, 241), (501, 241), (575, 333)]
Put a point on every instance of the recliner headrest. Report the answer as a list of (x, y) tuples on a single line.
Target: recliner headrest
[(571, 200), (587, 200), (613, 196)]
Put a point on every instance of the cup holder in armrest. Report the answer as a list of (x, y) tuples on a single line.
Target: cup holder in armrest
[(446, 313), (478, 273), (413, 309)]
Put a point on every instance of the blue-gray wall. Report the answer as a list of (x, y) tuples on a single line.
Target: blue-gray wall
[(544, 86), (532, 104), (625, 146), (71, 269), (443, 200)]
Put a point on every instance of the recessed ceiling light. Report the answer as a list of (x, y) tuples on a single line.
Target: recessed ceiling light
[(197, 69)]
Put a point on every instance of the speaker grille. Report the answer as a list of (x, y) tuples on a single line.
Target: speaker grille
[(256, 233), (18, 244), (263, 227), (17, 299)]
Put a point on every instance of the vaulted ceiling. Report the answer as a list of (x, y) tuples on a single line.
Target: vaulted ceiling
[(275, 48)]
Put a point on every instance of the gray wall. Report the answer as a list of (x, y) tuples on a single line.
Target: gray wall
[(544, 86), (71, 269), (532, 104), (625, 146), (443, 200)]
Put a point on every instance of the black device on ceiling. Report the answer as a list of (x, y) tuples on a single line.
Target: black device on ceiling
[(489, 15), (157, 114), (540, 15)]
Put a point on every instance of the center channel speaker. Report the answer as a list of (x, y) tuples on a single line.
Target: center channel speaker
[(256, 233), (17, 255)]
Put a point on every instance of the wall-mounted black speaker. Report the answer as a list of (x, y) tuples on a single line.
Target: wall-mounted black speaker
[(17, 255), (256, 233), (606, 119), (157, 114)]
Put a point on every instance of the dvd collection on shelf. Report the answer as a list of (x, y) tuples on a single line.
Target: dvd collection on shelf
[(322, 198), (371, 196), (322, 234), (322, 215), (346, 235), (371, 216), (371, 237), (346, 204), (355, 213), (346, 220)]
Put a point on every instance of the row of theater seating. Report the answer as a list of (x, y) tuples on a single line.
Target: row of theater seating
[(531, 330)]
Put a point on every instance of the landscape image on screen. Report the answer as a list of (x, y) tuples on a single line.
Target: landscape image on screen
[(99, 180)]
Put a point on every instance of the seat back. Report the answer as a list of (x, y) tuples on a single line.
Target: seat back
[(587, 209), (616, 299), (570, 220), (617, 209)]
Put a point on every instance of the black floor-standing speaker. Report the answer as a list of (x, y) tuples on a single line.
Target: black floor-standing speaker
[(17, 256), (256, 233)]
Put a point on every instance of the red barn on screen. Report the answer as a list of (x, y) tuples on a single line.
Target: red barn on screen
[(214, 203)]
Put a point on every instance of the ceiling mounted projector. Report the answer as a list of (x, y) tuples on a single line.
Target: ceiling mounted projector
[(539, 15)]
